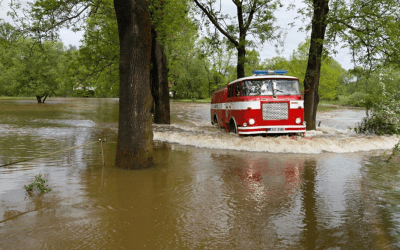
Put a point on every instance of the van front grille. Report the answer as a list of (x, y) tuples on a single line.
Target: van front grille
[(275, 111)]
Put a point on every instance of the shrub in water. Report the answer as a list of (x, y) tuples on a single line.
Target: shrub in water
[(384, 119), (39, 183)]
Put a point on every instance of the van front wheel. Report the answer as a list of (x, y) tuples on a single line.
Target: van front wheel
[(232, 127)]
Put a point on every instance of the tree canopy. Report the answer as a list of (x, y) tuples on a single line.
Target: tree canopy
[(32, 69), (253, 17), (370, 29)]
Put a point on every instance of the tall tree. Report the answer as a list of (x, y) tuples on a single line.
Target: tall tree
[(311, 80), (159, 81), (369, 28), (135, 135), (168, 18), (254, 17)]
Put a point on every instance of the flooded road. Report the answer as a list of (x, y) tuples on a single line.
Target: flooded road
[(207, 190)]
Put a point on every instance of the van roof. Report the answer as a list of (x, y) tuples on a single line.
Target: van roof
[(263, 77)]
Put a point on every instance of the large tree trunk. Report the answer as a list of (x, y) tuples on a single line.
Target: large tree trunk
[(39, 99), (159, 81), (241, 60), (135, 135), (311, 81)]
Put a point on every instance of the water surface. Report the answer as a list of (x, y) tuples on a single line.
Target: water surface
[(207, 190)]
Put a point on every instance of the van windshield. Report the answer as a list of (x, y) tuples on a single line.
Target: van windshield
[(269, 87)]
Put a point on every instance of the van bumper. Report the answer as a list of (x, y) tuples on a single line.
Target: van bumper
[(271, 129)]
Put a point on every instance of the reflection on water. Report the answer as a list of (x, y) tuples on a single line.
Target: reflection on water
[(309, 200), (193, 198), (382, 184)]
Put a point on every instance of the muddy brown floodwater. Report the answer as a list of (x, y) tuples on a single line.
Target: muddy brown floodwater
[(207, 190)]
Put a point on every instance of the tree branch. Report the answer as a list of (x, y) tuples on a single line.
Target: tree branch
[(217, 25), (250, 19), (67, 19)]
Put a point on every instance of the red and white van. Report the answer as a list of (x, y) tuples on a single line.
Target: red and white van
[(265, 103)]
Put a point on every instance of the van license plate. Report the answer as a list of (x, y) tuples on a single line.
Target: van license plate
[(276, 129)]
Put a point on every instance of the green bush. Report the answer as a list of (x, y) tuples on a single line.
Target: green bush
[(384, 118), (357, 99)]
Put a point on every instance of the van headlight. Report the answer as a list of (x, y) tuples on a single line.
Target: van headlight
[(252, 121), (298, 120)]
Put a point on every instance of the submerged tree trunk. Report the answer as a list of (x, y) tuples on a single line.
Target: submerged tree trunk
[(159, 81), (45, 97), (135, 135), (241, 60), (311, 81), (39, 99)]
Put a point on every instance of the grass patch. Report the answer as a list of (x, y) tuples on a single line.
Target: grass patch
[(16, 98), (324, 107), (340, 101)]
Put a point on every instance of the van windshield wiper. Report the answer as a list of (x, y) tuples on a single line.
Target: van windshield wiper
[(276, 90)]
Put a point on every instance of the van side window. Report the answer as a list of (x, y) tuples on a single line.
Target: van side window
[(230, 90), (237, 89)]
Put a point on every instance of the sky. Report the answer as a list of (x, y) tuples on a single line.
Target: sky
[(284, 17), (293, 36)]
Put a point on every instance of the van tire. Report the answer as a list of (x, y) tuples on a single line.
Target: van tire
[(232, 127), (215, 120)]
